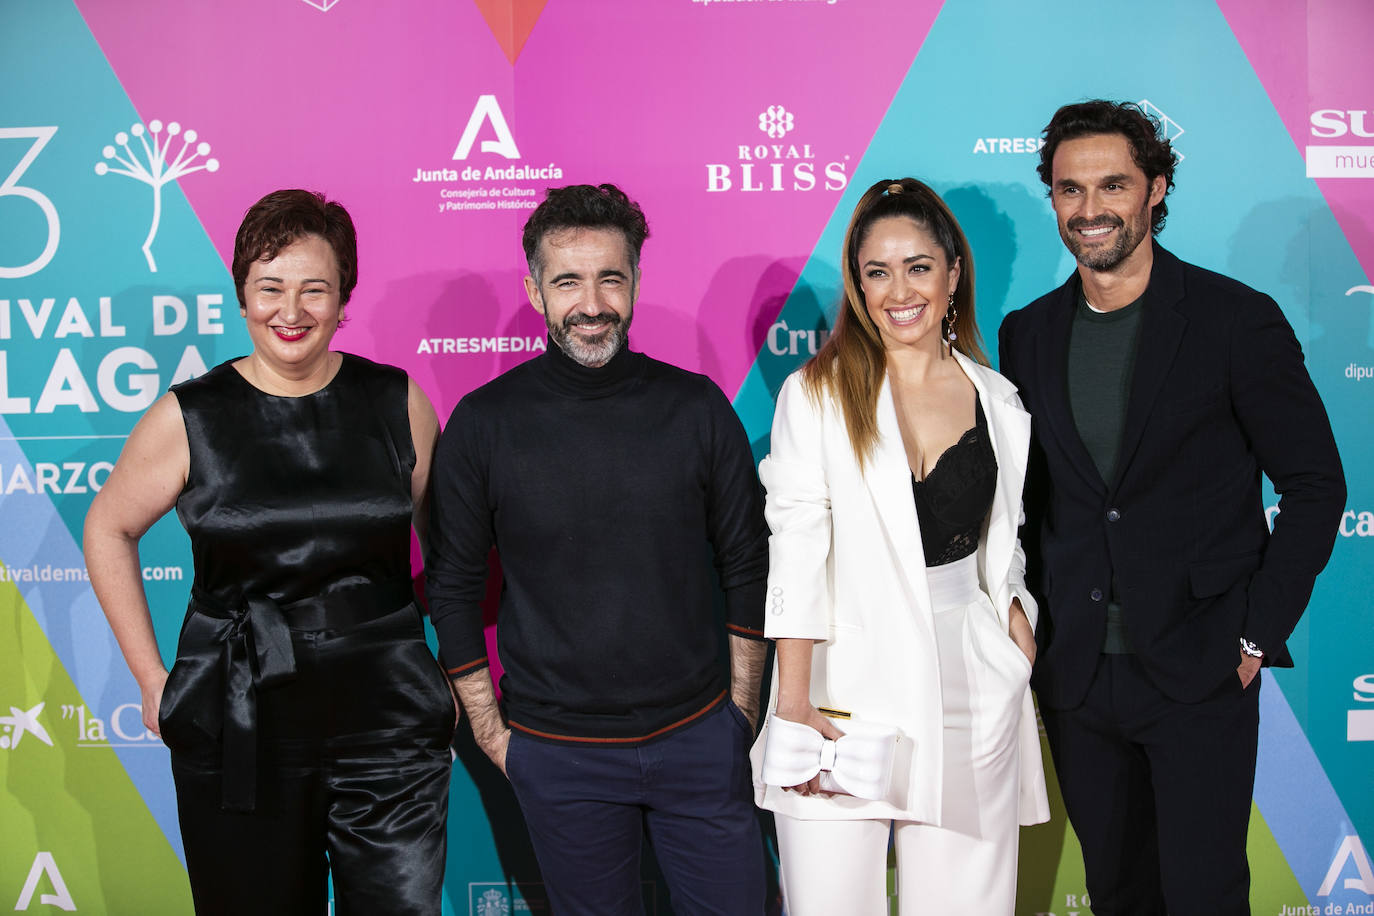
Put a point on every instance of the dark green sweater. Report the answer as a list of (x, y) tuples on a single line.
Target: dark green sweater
[(1102, 349)]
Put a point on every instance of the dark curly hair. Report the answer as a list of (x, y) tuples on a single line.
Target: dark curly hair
[(1151, 152), (284, 217), (582, 206)]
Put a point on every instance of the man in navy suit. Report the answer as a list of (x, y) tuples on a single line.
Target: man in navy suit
[(1160, 392)]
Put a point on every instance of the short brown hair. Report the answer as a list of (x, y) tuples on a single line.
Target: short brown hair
[(286, 216)]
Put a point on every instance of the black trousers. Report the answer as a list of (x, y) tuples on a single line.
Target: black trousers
[(352, 773), (1159, 792)]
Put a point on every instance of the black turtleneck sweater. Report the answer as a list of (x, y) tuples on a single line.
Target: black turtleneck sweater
[(606, 493)]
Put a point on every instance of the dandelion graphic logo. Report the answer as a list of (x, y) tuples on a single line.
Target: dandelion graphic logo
[(158, 170), (775, 121)]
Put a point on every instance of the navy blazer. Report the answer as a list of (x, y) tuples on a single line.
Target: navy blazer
[(1179, 535)]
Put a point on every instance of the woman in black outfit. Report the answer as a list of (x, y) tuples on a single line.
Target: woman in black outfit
[(308, 722)]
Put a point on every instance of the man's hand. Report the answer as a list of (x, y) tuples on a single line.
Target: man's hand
[(746, 672), (496, 747), (489, 729), (1247, 669)]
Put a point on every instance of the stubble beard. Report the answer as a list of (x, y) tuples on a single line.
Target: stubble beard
[(1129, 237), (592, 352)]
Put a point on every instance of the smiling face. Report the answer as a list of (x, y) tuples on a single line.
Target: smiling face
[(906, 282), (586, 292), (291, 305), (1102, 201)]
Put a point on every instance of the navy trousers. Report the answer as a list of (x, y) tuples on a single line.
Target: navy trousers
[(588, 809), (1159, 792)]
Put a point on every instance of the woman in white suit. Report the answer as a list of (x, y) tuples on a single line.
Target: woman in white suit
[(896, 593)]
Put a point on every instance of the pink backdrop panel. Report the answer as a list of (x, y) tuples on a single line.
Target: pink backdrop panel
[(1320, 46), (359, 103)]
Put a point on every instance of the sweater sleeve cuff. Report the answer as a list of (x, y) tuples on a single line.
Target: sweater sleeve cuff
[(462, 651), (477, 664), (744, 609), (744, 632)]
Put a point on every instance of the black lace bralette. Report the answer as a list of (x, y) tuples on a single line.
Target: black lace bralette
[(954, 499)]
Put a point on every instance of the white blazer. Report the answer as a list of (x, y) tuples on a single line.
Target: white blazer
[(847, 569)]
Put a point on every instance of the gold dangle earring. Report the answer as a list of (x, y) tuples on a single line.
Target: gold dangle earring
[(951, 315)]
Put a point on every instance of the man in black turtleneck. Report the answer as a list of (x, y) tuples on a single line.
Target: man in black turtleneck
[(607, 481)]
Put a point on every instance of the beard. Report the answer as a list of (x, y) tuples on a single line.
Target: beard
[(1130, 233), (592, 352)]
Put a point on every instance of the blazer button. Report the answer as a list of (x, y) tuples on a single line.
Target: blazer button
[(1095, 594), (1113, 515)]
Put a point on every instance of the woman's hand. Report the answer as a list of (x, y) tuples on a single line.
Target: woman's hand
[(807, 714), (1020, 629), (152, 701)]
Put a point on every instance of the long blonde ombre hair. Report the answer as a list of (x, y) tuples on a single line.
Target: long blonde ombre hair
[(850, 367)]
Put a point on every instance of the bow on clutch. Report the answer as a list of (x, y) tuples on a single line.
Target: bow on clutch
[(858, 763)]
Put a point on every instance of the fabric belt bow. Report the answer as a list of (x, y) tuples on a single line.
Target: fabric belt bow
[(858, 763), (257, 656)]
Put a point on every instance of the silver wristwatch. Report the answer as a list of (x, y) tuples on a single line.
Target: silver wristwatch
[(1250, 648)]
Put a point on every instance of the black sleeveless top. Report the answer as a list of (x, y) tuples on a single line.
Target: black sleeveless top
[(292, 498), (954, 499)]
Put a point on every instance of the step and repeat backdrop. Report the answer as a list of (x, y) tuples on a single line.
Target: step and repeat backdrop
[(133, 135)]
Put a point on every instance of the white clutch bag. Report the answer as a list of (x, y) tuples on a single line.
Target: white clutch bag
[(859, 763)]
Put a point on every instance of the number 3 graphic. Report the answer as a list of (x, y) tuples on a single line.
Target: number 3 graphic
[(41, 136)]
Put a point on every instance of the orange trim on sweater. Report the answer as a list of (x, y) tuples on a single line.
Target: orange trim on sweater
[(654, 734), (461, 668)]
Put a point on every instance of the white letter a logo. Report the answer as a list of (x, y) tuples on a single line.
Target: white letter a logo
[(1351, 848), (44, 865), (487, 110)]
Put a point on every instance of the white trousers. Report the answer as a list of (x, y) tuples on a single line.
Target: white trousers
[(967, 864)]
